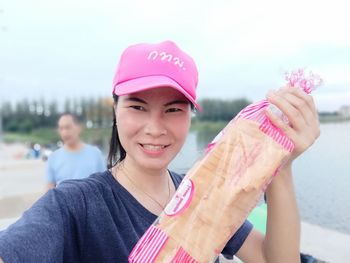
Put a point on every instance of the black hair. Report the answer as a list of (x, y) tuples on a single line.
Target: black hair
[(116, 152), (75, 117)]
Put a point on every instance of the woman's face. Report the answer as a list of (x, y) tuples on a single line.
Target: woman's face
[(152, 126)]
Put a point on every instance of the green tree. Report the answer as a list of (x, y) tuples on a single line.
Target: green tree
[(220, 110)]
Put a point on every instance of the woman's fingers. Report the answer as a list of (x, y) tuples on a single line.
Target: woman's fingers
[(295, 104), (305, 100), (303, 128), (277, 121), (290, 106)]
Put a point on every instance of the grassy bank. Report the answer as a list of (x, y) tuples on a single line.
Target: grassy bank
[(333, 119), (99, 135), (41, 136), (50, 136)]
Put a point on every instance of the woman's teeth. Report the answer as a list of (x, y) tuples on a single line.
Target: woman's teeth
[(153, 147)]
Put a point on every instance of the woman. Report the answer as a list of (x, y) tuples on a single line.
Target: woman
[(100, 219)]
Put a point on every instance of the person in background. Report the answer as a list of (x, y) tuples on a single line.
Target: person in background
[(76, 159)]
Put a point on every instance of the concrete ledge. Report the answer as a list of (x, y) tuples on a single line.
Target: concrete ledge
[(13, 206), (325, 244), (20, 164)]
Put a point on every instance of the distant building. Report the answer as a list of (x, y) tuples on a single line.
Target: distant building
[(344, 111)]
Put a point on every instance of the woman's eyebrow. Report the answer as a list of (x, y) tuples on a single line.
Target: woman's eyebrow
[(176, 102), (135, 99)]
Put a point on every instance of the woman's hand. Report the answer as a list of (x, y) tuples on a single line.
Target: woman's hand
[(303, 127)]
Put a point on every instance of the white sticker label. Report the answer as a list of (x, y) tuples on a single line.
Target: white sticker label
[(182, 198)]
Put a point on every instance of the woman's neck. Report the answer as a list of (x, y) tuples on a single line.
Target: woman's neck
[(149, 180), (151, 188)]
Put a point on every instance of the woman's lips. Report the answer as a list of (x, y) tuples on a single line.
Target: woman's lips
[(153, 149)]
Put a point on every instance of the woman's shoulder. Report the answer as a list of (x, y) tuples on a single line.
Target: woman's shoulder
[(95, 182), (83, 193)]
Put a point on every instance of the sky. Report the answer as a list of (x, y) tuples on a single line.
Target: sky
[(70, 48)]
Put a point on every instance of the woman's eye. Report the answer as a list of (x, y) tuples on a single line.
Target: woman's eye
[(173, 110), (137, 107)]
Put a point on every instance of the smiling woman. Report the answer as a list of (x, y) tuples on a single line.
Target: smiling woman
[(152, 125), (101, 218)]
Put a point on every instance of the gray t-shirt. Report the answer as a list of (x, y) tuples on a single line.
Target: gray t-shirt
[(90, 220)]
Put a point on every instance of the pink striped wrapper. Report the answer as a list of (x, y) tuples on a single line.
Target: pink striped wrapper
[(218, 193)]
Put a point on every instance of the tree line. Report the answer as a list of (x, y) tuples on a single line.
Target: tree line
[(220, 109), (25, 115)]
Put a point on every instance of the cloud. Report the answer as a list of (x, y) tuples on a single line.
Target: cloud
[(241, 47)]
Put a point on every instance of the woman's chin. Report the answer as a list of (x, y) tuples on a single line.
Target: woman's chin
[(157, 164)]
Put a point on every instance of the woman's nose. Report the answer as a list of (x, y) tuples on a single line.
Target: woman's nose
[(155, 126)]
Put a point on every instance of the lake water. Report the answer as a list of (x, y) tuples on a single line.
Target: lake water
[(321, 174)]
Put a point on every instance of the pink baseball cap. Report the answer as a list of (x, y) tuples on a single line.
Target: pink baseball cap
[(146, 66)]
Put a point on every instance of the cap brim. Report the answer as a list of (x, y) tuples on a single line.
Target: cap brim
[(151, 82)]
